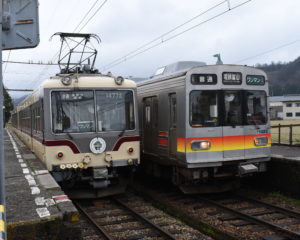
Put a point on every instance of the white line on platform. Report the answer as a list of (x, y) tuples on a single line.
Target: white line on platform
[(23, 165), (25, 170), (43, 212), (35, 190)]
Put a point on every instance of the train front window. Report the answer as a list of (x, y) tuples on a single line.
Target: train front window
[(256, 107), (115, 111), (233, 108), (73, 112), (204, 109)]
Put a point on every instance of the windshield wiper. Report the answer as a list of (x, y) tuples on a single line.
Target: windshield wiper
[(122, 133), (69, 135)]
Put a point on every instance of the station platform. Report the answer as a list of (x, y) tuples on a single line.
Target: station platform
[(282, 152), (36, 207)]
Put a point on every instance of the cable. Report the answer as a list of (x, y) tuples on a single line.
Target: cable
[(161, 36), (30, 63), (7, 61), (86, 15), (268, 51), (174, 36), (98, 9)]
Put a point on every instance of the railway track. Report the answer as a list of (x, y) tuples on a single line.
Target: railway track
[(125, 218), (235, 216)]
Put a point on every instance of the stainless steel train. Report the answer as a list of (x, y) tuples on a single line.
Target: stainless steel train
[(205, 126), (84, 127)]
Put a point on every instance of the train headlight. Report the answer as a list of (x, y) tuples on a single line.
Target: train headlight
[(260, 141), (201, 145), (119, 80), (63, 166), (66, 80), (59, 155)]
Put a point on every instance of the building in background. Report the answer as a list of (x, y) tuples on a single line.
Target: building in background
[(285, 107)]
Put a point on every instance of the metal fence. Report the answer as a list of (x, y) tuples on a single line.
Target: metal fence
[(286, 134)]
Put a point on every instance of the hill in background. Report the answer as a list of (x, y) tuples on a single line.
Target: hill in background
[(284, 78)]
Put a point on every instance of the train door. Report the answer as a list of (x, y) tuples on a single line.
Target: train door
[(256, 122), (233, 129), (150, 113), (172, 125)]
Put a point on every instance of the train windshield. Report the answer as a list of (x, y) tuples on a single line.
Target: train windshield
[(204, 109), (256, 107), (115, 110), (227, 108), (233, 108), (73, 112)]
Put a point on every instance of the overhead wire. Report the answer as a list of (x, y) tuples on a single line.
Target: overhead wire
[(45, 69), (7, 61), (87, 13), (166, 33), (129, 56), (98, 9), (268, 51)]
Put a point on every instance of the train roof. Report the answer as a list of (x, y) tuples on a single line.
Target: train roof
[(87, 80), (78, 81), (179, 69)]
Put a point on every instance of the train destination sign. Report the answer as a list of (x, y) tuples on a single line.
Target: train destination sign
[(205, 79), (232, 78), (255, 80)]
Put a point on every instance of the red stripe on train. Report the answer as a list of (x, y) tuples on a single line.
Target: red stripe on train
[(163, 134), (125, 139), (62, 143), (163, 142)]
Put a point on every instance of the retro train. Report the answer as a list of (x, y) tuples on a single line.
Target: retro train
[(84, 126)]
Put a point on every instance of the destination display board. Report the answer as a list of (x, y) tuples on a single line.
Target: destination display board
[(255, 80), (204, 79)]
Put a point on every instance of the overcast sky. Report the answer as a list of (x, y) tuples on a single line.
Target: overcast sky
[(124, 25)]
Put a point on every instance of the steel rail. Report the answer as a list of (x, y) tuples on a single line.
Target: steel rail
[(248, 217), (96, 225), (278, 209), (146, 220)]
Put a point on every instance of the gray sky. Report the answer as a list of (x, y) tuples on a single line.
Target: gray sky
[(123, 26)]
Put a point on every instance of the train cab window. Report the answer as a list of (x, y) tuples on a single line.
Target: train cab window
[(204, 109), (115, 111), (233, 108), (256, 107), (73, 112)]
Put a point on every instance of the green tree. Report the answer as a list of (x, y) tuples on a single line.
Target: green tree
[(8, 106)]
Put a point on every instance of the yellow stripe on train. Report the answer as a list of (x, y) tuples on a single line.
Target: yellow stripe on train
[(225, 143), (1, 208)]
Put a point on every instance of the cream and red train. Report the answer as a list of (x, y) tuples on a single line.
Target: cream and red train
[(84, 127), (205, 125)]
